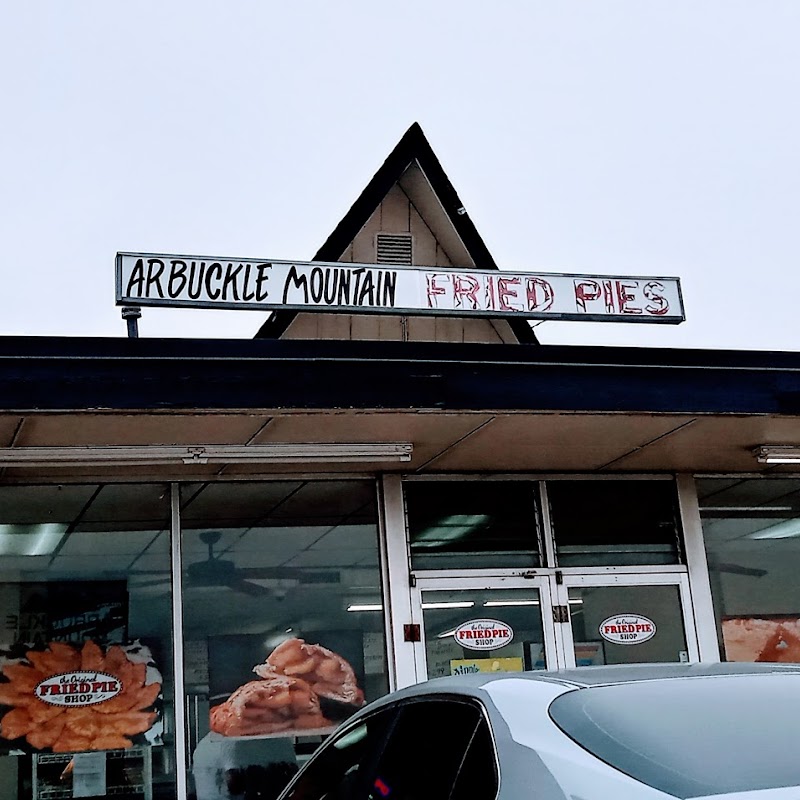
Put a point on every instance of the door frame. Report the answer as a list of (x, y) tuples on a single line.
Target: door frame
[(680, 579), (459, 582), (553, 586)]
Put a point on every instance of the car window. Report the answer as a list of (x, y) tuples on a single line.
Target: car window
[(427, 749), (692, 736), (343, 768), (477, 778)]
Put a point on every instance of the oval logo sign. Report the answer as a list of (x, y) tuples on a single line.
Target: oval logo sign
[(78, 688), (483, 634), (627, 629)]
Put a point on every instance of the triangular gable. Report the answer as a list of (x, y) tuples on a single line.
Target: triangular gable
[(409, 193)]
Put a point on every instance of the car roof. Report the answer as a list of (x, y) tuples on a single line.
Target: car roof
[(584, 677), (629, 673)]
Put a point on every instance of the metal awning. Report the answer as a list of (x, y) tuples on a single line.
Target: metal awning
[(506, 408)]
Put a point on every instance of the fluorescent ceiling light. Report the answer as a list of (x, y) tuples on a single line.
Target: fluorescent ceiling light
[(450, 529), (31, 540), (778, 454), (300, 453), (787, 529), (454, 604), (499, 603), (365, 607), (742, 509)]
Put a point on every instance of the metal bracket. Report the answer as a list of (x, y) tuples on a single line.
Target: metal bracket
[(412, 633), (560, 613)]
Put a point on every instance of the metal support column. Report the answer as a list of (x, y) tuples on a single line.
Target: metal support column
[(697, 564)]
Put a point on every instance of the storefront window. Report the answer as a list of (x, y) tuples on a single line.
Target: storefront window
[(472, 524), (614, 522), (751, 529), (283, 625), (86, 707)]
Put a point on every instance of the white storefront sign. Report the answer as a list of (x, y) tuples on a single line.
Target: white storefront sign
[(627, 629), (146, 279), (483, 634), (77, 689)]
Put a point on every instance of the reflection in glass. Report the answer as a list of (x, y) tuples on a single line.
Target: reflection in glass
[(86, 649), (468, 524), (283, 624), (614, 522), (751, 529)]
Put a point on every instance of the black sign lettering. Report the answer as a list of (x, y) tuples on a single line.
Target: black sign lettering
[(231, 276), (177, 278), (317, 282), (136, 281), (247, 295), (154, 276), (214, 272), (343, 294), (389, 288), (357, 274), (196, 279), (262, 293), (332, 280), (366, 294), (299, 280)]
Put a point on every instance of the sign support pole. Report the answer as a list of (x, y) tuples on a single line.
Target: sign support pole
[(131, 315)]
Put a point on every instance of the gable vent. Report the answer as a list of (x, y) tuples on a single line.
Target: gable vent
[(393, 248)]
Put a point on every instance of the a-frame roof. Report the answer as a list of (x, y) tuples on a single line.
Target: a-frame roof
[(413, 147)]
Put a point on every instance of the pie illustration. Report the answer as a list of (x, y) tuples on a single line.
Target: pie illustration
[(272, 705), (328, 674), (287, 696), (774, 640), (71, 721)]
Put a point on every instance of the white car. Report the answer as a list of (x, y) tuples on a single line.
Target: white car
[(610, 733)]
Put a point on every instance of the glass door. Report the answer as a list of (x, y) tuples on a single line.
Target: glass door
[(554, 566), (625, 619), (552, 621), (475, 625)]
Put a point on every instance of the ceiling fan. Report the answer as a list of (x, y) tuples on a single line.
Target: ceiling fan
[(217, 571), (734, 569)]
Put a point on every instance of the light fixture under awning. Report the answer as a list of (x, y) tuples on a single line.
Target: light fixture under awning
[(778, 454), (38, 539), (300, 453)]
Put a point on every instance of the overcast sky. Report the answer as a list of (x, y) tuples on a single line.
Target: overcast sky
[(612, 136)]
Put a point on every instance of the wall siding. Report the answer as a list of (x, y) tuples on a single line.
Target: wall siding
[(396, 214)]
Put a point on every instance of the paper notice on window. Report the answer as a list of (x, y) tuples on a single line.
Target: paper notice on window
[(466, 666), (195, 661), (89, 774), (374, 654)]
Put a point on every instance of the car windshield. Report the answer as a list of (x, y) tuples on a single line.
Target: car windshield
[(692, 736)]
